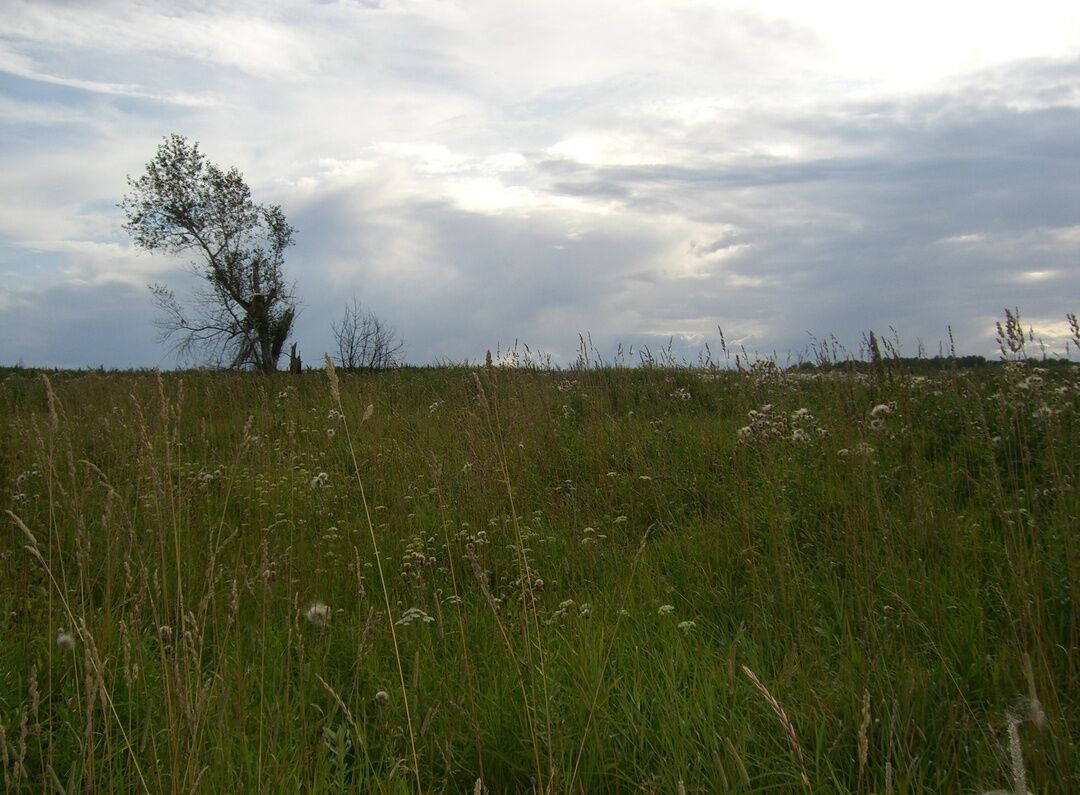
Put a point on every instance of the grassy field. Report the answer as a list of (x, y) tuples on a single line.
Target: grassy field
[(516, 580)]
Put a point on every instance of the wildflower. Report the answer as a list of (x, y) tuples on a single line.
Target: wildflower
[(882, 410), (318, 614), (745, 432), (798, 435), (801, 414), (330, 433), (382, 698), (686, 626), (665, 609), (320, 481), (65, 641), (411, 615), (681, 393)]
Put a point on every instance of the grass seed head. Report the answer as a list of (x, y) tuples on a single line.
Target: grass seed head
[(331, 373)]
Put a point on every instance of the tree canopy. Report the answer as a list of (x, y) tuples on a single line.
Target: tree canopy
[(242, 313)]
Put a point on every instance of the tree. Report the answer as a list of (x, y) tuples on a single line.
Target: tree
[(242, 313), (364, 341)]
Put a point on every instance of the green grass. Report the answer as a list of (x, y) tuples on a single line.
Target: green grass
[(902, 585)]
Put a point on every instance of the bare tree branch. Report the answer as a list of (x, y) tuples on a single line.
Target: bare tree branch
[(365, 342)]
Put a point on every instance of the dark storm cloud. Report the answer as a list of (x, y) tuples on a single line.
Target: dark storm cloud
[(73, 325)]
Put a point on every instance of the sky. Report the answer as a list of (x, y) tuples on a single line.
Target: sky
[(484, 172)]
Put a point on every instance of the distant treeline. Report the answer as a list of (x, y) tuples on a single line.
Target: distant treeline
[(924, 364), (920, 364)]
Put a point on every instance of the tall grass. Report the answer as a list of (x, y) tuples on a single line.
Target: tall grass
[(512, 579)]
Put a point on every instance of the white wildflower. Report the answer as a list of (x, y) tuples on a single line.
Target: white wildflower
[(882, 410), (318, 614), (65, 641), (686, 626), (665, 609), (411, 615)]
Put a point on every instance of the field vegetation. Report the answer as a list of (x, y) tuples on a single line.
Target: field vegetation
[(516, 579)]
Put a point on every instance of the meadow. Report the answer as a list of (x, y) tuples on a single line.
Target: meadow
[(515, 579)]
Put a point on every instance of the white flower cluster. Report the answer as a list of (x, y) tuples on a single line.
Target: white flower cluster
[(767, 424), (880, 413), (411, 615), (318, 614), (590, 536), (861, 449)]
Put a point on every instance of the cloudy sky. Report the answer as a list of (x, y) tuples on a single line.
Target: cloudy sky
[(484, 171)]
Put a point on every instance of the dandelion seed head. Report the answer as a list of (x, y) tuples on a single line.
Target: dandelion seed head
[(318, 614), (382, 698), (65, 641)]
